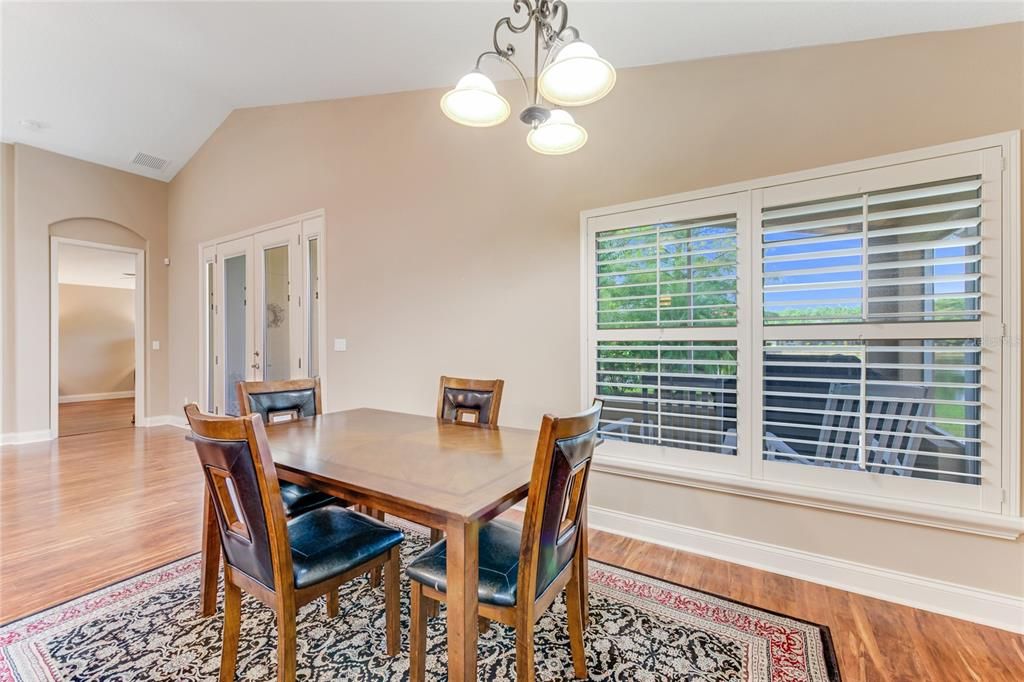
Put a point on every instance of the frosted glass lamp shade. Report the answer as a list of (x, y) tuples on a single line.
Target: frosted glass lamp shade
[(577, 76), (560, 134), (475, 102)]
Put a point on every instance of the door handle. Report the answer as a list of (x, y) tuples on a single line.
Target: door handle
[(255, 366)]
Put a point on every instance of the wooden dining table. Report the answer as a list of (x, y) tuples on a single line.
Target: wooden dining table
[(446, 475)]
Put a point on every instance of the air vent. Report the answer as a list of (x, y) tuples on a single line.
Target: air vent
[(154, 162)]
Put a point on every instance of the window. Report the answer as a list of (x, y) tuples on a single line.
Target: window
[(667, 338), (834, 330)]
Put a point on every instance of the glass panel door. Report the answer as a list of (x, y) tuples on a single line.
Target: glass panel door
[(278, 329), (253, 325), (236, 360)]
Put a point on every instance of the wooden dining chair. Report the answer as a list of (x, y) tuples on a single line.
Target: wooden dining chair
[(284, 564), (284, 401), (475, 400), (524, 569)]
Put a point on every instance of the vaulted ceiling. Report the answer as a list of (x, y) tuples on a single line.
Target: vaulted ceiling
[(106, 81)]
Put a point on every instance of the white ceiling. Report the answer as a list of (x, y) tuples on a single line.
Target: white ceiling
[(109, 80), (95, 267)]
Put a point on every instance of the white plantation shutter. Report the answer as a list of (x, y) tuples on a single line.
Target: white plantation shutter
[(898, 407), (878, 309), (672, 393), (665, 346), (677, 274), (843, 330), (905, 254)]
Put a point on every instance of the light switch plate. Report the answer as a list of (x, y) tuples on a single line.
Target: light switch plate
[(340, 344), (156, 345)]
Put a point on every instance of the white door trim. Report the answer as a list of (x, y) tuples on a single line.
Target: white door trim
[(140, 326)]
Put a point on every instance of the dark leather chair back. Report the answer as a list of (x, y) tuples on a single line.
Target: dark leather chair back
[(241, 481), (558, 489), (278, 401), (477, 398)]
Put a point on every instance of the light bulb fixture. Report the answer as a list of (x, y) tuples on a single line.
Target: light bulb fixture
[(577, 76), (560, 134), (475, 102), (570, 74)]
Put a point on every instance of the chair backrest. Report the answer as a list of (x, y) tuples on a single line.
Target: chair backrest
[(280, 401), (892, 423), (558, 486), (242, 484), (480, 399)]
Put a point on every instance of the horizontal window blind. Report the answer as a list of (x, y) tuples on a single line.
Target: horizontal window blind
[(679, 394), (900, 407), (677, 274), (908, 254)]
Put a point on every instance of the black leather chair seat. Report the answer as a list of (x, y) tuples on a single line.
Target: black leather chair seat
[(330, 540), (299, 500), (499, 564)]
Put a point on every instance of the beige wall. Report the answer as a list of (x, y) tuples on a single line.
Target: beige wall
[(48, 190), (97, 340), (456, 251), (6, 279)]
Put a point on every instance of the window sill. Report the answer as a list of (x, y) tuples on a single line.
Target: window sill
[(935, 516)]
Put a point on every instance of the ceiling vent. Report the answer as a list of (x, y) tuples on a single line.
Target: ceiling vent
[(148, 161)]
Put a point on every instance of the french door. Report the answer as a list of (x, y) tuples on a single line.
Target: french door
[(256, 327)]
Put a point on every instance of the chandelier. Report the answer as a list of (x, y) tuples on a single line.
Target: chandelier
[(571, 74)]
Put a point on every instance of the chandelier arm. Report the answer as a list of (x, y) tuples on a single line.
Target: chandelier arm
[(557, 11), (505, 60), (506, 22)]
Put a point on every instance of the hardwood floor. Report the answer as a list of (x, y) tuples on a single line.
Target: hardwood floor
[(95, 415), (82, 512)]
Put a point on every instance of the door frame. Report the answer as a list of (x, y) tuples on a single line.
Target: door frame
[(140, 326), (312, 224)]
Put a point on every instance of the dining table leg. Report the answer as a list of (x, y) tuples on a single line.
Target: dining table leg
[(209, 566), (463, 574)]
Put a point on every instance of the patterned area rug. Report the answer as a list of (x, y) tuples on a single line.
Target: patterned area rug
[(641, 629)]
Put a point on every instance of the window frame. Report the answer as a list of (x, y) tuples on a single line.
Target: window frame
[(994, 508), (706, 207)]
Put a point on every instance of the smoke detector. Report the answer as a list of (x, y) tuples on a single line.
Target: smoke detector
[(149, 161)]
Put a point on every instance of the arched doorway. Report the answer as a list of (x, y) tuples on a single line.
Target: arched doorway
[(97, 317)]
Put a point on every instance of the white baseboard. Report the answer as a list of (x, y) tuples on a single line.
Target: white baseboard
[(21, 437), (166, 420), (980, 606), (89, 397)]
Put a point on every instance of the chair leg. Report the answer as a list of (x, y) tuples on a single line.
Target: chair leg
[(392, 605), (418, 634), (436, 536), (232, 627), (524, 652), (483, 625), (574, 607), (332, 603), (375, 574), (286, 644)]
